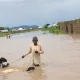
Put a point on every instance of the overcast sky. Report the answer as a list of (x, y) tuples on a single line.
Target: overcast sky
[(37, 12)]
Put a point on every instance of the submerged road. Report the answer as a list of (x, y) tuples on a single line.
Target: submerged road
[(61, 60)]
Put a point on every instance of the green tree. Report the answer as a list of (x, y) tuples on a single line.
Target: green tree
[(1, 28), (46, 26), (8, 28)]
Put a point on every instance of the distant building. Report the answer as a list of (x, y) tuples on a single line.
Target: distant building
[(4, 31), (55, 25), (40, 27), (30, 28), (20, 29), (52, 25)]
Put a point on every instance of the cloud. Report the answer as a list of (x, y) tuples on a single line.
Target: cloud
[(10, 0), (40, 12)]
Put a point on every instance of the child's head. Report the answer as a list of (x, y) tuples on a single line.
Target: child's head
[(35, 40)]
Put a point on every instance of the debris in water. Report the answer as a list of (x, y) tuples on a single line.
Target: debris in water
[(30, 68), (3, 65), (10, 70)]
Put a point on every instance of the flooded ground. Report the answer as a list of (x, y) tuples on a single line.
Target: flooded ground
[(61, 60)]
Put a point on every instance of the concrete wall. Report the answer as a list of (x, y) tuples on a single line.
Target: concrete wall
[(70, 26)]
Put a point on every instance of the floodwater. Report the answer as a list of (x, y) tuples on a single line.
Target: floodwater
[(61, 60)]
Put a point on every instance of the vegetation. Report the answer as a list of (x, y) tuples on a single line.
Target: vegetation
[(46, 26), (45, 30), (1, 28), (78, 21), (2, 34), (8, 29), (53, 29)]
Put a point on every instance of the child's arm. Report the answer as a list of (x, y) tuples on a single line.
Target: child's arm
[(41, 51), (30, 50)]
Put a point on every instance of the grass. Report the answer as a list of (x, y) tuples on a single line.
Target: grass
[(52, 29), (45, 32)]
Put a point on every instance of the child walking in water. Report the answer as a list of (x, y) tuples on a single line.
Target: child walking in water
[(36, 50)]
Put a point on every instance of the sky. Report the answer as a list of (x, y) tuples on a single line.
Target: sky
[(37, 12)]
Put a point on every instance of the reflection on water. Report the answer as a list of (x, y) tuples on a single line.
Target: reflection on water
[(61, 60), (38, 74)]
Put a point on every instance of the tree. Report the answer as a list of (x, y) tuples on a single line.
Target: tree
[(46, 26), (1, 28), (8, 28)]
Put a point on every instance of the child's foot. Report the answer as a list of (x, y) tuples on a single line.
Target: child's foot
[(30, 68), (36, 65)]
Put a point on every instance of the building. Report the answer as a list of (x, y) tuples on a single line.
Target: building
[(52, 25), (20, 29), (4, 31), (30, 28), (40, 27), (55, 25)]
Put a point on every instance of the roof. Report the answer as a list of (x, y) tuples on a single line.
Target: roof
[(4, 30)]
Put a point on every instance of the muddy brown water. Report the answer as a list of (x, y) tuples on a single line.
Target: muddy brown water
[(61, 60)]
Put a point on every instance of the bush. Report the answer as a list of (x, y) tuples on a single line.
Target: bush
[(1, 28), (53, 29)]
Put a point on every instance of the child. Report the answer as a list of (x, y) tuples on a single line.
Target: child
[(36, 50)]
